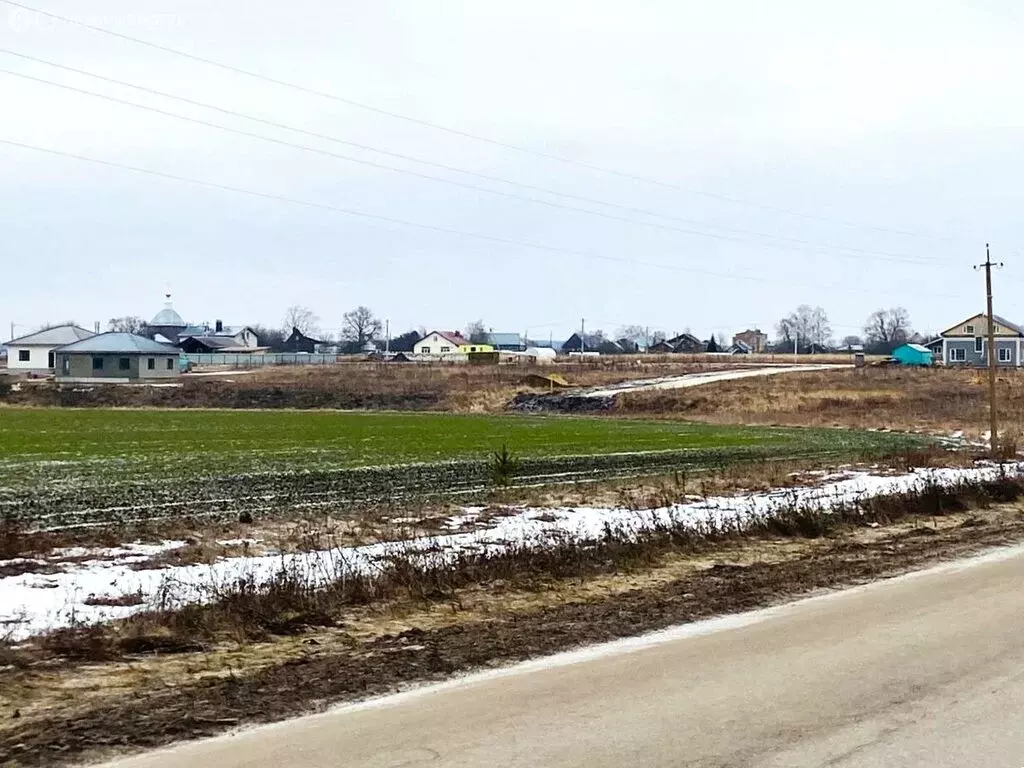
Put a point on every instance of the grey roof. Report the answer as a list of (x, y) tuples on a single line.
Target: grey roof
[(53, 337), (1008, 324), (999, 320), (918, 347), (119, 343), (168, 318), (505, 339), (207, 330), (215, 342)]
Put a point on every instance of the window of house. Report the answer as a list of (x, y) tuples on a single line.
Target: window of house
[(472, 349), (969, 330), (425, 350), (979, 345), (50, 360), (24, 355), (1004, 354), (446, 349), (170, 363), (151, 364), (957, 355), (97, 363), (65, 365), (124, 364)]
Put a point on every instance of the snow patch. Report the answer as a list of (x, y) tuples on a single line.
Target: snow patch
[(33, 603)]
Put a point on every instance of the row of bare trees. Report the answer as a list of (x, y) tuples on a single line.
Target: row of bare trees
[(808, 329)]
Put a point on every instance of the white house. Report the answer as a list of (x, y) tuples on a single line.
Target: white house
[(450, 344), (34, 353)]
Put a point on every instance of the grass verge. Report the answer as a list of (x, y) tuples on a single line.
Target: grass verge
[(262, 653)]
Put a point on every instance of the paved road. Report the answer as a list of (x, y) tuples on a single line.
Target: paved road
[(698, 379), (926, 671)]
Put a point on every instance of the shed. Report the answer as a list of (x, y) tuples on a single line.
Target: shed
[(912, 354)]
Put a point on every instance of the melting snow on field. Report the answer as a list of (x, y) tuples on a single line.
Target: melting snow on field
[(34, 602)]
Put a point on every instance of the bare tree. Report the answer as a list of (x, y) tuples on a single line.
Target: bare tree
[(808, 326), (49, 324), (634, 333), (476, 332), (852, 341), (360, 326), (886, 329), (128, 324), (271, 338), (303, 318)]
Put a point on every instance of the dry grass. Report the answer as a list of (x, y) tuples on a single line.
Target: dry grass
[(940, 400), (154, 696), (415, 386), (298, 598)]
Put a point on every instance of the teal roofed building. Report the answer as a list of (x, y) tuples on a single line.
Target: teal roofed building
[(913, 354)]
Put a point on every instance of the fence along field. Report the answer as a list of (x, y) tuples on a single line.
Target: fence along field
[(66, 467)]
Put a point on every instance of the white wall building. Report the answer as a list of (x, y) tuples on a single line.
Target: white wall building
[(34, 353)]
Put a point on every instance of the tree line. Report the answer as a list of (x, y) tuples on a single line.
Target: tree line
[(808, 329)]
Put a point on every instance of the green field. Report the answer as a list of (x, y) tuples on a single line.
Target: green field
[(243, 440), (60, 466)]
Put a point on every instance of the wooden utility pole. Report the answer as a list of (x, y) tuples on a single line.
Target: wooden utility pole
[(992, 412)]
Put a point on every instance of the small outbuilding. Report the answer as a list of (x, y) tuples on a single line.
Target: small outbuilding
[(912, 354), (116, 358)]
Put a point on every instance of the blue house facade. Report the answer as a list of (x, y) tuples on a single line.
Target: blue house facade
[(966, 343)]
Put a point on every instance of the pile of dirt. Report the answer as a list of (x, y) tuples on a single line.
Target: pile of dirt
[(532, 402)]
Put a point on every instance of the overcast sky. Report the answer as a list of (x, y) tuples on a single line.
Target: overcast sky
[(855, 155)]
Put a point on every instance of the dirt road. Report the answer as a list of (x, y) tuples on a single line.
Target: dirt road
[(698, 379), (924, 670)]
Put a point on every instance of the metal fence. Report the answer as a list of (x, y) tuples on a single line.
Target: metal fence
[(242, 360)]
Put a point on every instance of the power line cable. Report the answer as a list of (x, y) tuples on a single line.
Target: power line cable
[(414, 224), (814, 247), (468, 135)]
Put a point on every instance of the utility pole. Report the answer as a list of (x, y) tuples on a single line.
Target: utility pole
[(583, 333), (387, 337), (993, 417)]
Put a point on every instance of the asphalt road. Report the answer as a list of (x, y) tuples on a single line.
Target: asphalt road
[(926, 670)]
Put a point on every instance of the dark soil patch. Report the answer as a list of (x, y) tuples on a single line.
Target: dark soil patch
[(324, 676)]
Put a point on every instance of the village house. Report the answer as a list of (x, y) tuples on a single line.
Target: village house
[(34, 353), (116, 358), (219, 338), (169, 327), (447, 344), (507, 342), (684, 343), (754, 340), (297, 342), (966, 343)]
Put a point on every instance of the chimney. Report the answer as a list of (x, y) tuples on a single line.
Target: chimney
[(218, 326), (96, 325)]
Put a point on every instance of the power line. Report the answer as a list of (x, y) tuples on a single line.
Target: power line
[(812, 246), (414, 224), (469, 135)]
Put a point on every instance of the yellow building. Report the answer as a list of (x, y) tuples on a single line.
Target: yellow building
[(446, 344)]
